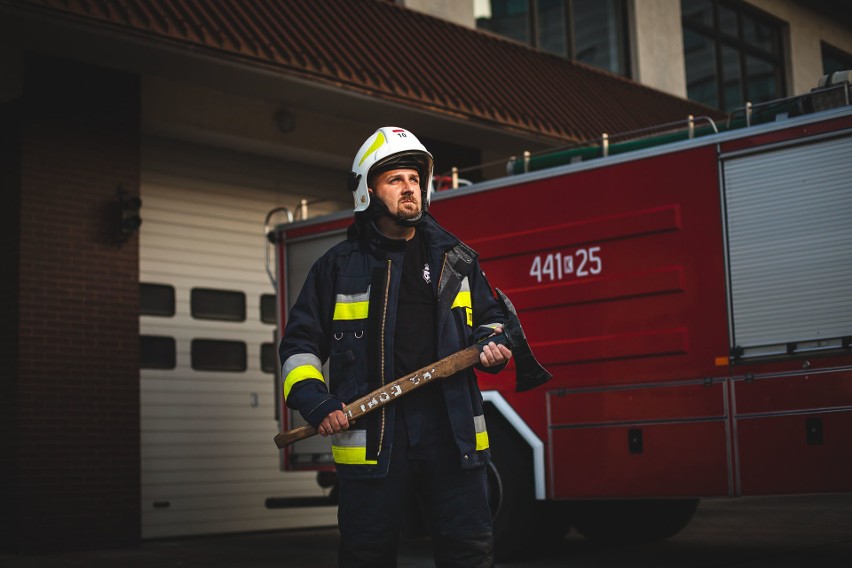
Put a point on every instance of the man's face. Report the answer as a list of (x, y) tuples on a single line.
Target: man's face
[(400, 192)]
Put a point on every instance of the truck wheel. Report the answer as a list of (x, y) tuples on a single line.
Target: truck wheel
[(520, 522), (631, 522)]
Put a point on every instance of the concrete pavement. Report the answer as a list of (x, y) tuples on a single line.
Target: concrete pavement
[(813, 531)]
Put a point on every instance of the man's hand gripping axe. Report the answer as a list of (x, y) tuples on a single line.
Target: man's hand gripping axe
[(528, 373)]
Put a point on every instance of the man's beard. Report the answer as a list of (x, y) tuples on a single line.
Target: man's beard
[(404, 214), (402, 217)]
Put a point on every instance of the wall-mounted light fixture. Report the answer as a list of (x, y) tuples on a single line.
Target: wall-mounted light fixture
[(129, 219)]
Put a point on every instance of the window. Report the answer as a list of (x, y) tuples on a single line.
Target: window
[(223, 305), (733, 54), (156, 300), (268, 358), (590, 31), (157, 352), (268, 306), (218, 355), (509, 18), (834, 59)]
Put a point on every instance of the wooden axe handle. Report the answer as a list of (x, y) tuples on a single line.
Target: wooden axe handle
[(446, 367), (284, 439)]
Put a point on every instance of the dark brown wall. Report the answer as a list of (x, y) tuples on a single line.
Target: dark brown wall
[(76, 386), (10, 161)]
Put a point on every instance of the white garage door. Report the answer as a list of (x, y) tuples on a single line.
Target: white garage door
[(207, 397)]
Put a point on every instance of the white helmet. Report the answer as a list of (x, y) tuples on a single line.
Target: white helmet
[(388, 148)]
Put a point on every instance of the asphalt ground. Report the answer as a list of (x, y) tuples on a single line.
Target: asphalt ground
[(813, 531)]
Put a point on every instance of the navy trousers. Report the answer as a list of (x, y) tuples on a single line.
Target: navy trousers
[(371, 511)]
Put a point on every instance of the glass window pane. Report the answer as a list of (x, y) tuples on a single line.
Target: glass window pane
[(509, 18), (728, 22), (157, 352), (597, 27), (834, 59), (749, 51), (550, 22), (224, 305), (701, 80), (760, 35), (268, 358), (156, 300), (218, 355), (698, 12), (761, 80), (268, 307), (731, 79)]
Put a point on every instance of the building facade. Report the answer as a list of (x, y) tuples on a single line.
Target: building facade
[(720, 53)]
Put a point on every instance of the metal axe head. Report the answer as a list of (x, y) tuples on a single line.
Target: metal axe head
[(528, 371)]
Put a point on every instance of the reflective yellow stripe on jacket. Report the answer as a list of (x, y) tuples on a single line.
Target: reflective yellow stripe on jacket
[(300, 367), (352, 306), (462, 300), (481, 433), (350, 447)]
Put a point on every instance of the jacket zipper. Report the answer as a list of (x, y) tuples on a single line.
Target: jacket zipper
[(382, 365)]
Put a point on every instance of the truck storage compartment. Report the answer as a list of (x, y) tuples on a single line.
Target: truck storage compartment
[(791, 432), (672, 460), (797, 453), (661, 441)]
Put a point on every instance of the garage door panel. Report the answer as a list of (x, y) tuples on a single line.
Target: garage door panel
[(208, 460)]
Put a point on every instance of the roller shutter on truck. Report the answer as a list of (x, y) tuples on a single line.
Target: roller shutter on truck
[(789, 225)]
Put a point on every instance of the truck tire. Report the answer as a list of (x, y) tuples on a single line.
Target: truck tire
[(632, 522), (521, 524)]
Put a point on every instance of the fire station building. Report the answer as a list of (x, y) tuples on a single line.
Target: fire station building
[(143, 142)]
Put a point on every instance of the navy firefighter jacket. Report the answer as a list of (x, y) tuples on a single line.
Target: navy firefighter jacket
[(346, 314)]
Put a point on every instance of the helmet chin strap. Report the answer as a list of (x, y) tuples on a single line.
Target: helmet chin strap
[(378, 208)]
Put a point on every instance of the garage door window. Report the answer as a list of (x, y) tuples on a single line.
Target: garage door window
[(157, 352), (222, 305), (218, 355), (156, 300), (267, 308), (268, 358)]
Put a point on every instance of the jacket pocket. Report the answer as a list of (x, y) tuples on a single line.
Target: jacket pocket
[(347, 360)]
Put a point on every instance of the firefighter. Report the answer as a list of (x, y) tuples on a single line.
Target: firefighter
[(397, 294)]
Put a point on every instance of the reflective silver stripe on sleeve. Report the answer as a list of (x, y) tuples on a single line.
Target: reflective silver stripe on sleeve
[(299, 360)]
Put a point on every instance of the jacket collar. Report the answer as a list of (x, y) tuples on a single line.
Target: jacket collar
[(437, 236), (379, 241)]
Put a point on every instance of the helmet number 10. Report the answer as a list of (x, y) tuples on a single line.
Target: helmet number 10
[(556, 266)]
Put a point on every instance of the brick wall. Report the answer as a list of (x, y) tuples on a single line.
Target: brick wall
[(77, 384)]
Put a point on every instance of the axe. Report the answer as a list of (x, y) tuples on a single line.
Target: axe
[(529, 373)]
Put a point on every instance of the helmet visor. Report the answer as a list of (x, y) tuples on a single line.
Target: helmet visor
[(413, 161)]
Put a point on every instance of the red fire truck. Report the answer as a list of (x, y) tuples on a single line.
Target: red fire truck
[(691, 297)]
